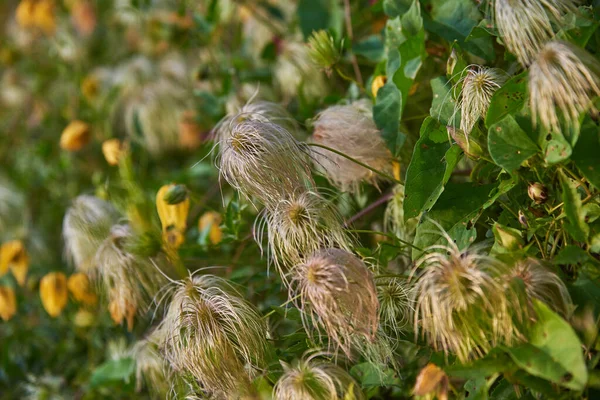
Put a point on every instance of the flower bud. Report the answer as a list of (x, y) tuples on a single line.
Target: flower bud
[(8, 303), (432, 380), (172, 217), (176, 194), (79, 286), (211, 221), (322, 50), (538, 193), (14, 256), (75, 136), (53, 292), (509, 238), (113, 150), (377, 84)]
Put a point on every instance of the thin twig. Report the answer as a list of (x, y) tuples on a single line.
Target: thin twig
[(348, 18), (382, 200)]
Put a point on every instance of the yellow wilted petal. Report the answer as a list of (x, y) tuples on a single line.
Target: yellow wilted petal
[(113, 150), (84, 18), (20, 266), (25, 12), (53, 292), (43, 16), (75, 136), (79, 286), (213, 220), (122, 310), (172, 217), (377, 84), (9, 252), (8, 303), (432, 380)]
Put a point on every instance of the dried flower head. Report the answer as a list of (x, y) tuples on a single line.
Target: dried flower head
[(53, 292), (79, 286), (395, 303), (298, 225), (542, 284), (323, 51), (13, 255), (8, 303), (295, 73), (478, 85), (394, 221), (263, 160), (85, 226), (75, 136), (461, 305), (432, 380), (131, 282), (525, 25), (312, 378), (335, 293), (214, 335), (349, 129), (255, 110), (562, 77)]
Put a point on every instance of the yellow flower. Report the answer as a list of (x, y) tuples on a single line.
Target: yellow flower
[(377, 84), (53, 291), (211, 220), (79, 286), (122, 310), (113, 150), (14, 256), (172, 217), (25, 13), (75, 136), (43, 16), (8, 303)]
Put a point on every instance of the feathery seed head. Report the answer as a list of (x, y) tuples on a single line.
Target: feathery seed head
[(563, 81), (85, 226), (298, 225), (461, 305), (525, 25), (316, 379), (263, 160), (349, 129), (393, 217), (130, 282), (214, 335), (478, 86), (323, 50), (336, 294), (542, 284), (395, 303)]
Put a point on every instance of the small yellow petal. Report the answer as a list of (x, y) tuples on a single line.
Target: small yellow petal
[(119, 311), (8, 303), (14, 256), (213, 220), (75, 136), (377, 84), (173, 218), (53, 292), (432, 380), (79, 286), (113, 150)]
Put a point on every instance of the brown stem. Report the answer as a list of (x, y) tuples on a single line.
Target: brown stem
[(348, 18), (382, 200)]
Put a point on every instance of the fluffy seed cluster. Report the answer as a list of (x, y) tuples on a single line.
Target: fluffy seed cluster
[(264, 161), (213, 335), (85, 226), (526, 25), (461, 304), (336, 294), (394, 221), (478, 86), (395, 303), (300, 224), (349, 129), (563, 81), (316, 379)]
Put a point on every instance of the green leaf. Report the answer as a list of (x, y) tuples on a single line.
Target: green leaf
[(369, 374), (571, 255), (455, 211), (454, 20), (314, 15), (586, 151), (386, 114), (430, 168), (113, 371), (476, 389), (508, 99), (573, 209), (371, 48), (579, 27), (394, 8), (494, 362), (442, 105), (509, 145)]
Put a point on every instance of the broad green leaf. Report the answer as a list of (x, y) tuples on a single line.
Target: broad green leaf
[(455, 211), (573, 209), (454, 20), (476, 389), (394, 8), (371, 48), (504, 187), (369, 374), (113, 371), (556, 150), (314, 15), (386, 113), (586, 152), (508, 99), (571, 255), (509, 145), (430, 168), (579, 27), (494, 362), (443, 103)]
